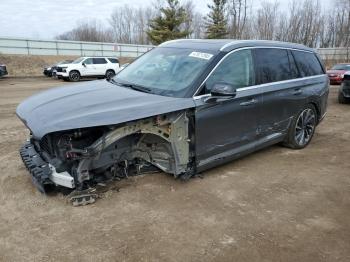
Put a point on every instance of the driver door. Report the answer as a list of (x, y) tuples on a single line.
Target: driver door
[(88, 67), (228, 127)]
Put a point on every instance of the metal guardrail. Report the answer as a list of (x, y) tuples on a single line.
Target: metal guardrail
[(22, 46), (337, 54)]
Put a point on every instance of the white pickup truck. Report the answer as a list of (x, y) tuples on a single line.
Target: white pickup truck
[(88, 67)]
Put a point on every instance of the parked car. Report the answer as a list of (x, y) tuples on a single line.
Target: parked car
[(3, 70), (51, 70), (183, 107), (344, 90), (336, 73), (89, 67)]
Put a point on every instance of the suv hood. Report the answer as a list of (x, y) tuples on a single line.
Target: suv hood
[(63, 65), (95, 103)]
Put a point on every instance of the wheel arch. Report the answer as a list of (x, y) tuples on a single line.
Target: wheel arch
[(76, 70), (317, 107), (160, 140)]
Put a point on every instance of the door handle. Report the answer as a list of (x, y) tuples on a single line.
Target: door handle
[(249, 102), (297, 92)]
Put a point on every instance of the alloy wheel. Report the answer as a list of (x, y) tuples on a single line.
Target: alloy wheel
[(305, 127), (74, 76), (109, 75)]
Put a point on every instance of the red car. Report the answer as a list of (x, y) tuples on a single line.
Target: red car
[(336, 73)]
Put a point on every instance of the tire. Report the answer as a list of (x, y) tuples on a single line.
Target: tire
[(74, 76), (109, 74), (342, 99), (302, 128)]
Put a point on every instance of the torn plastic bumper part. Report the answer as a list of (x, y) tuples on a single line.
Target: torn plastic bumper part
[(42, 173)]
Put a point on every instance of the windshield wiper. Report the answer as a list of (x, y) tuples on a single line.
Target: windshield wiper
[(133, 86)]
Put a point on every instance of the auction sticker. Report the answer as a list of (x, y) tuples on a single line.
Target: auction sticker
[(200, 55)]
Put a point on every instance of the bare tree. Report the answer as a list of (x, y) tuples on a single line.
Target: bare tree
[(304, 22), (266, 20), (91, 30), (238, 15)]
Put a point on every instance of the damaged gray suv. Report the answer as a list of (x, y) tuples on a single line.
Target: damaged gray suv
[(183, 107)]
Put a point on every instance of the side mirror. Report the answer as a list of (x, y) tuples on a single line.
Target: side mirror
[(84, 64), (223, 90), (220, 92)]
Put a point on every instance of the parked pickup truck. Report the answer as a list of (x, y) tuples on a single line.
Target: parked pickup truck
[(99, 67)]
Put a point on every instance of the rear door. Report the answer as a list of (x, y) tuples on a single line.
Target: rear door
[(314, 83), (276, 74), (100, 66)]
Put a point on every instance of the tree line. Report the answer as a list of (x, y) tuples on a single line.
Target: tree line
[(305, 22)]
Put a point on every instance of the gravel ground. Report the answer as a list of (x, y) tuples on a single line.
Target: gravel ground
[(274, 205)]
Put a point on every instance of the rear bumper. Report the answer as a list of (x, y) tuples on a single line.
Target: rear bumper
[(335, 80), (42, 173)]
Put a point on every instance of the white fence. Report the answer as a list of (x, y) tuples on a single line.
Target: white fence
[(21, 46)]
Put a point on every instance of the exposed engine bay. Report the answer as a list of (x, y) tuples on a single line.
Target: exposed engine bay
[(81, 159)]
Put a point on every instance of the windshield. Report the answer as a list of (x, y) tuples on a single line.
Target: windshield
[(77, 61), (341, 67), (166, 71)]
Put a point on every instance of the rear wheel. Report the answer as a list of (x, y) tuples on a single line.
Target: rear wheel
[(74, 76), (302, 128), (109, 74)]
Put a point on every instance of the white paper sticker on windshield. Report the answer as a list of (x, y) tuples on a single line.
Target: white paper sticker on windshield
[(200, 55)]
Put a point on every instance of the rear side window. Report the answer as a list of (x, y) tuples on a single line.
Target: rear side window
[(99, 61), (307, 63), (272, 65), (113, 60)]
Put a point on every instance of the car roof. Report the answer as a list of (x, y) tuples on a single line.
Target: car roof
[(227, 45)]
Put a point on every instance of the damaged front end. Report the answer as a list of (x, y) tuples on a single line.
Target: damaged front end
[(81, 159)]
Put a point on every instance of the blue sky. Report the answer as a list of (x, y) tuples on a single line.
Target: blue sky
[(47, 18)]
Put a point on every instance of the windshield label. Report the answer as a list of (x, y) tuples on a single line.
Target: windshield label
[(200, 55)]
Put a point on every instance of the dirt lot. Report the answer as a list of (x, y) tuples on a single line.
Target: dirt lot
[(274, 205)]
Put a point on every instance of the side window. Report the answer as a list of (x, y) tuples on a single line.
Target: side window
[(88, 61), (272, 65), (113, 60), (236, 69), (307, 63), (99, 61)]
